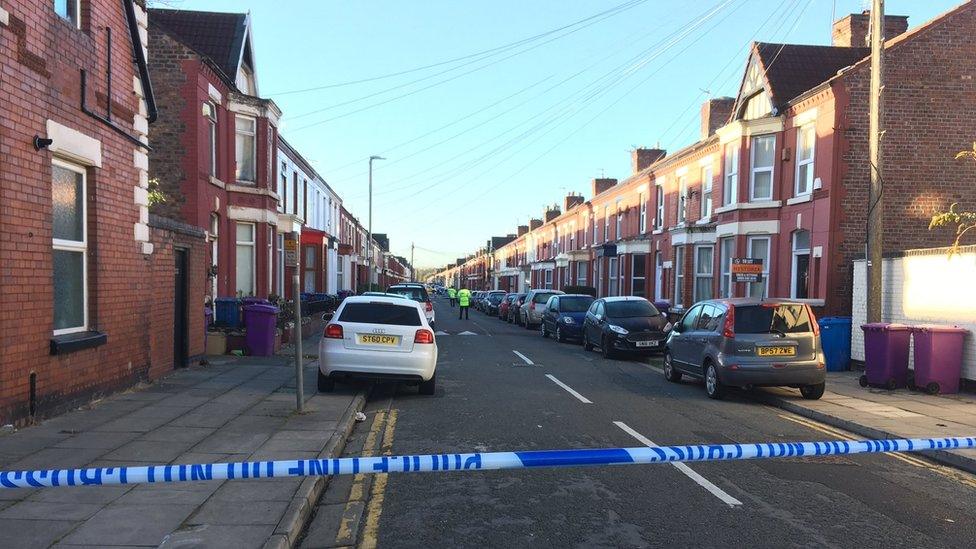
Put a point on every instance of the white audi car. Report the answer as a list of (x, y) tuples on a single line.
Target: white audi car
[(378, 339)]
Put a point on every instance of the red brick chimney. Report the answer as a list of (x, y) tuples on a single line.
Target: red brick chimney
[(535, 224), (551, 213), (853, 31), (522, 229), (715, 113), (642, 158), (601, 184), (571, 201)]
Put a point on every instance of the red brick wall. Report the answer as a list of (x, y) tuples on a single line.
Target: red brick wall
[(930, 100)]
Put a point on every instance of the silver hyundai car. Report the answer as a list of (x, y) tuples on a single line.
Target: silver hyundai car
[(748, 343)]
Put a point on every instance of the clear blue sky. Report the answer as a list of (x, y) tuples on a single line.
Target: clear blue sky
[(524, 131)]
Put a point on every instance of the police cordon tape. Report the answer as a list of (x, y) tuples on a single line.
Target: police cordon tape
[(464, 462)]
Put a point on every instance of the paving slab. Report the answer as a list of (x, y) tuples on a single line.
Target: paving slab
[(33, 533), (143, 524), (213, 536)]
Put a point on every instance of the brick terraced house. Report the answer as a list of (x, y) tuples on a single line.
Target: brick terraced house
[(96, 292), (779, 173)]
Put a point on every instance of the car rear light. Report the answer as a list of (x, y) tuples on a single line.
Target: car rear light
[(813, 322), (728, 329), (821, 365), (333, 331), (428, 306), (424, 337), (532, 306)]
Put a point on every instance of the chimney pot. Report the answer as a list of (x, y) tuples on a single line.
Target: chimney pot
[(534, 224), (571, 201), (522, 229), (601, 184), (641, 158), (715, 113)]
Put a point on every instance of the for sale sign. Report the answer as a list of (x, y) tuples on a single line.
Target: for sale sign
[(746, 269)]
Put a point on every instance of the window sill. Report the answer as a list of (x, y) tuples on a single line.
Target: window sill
[(217, 183), (69, 343), (657, 231), (749, 206), (799, 199)]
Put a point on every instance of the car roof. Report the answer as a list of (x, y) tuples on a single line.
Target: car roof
[(623, 298), (383, 294), (399, 300), (538, 290), (578, 295), (742, 301)]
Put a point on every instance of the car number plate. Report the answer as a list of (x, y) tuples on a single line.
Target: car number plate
[(652, 343), (776, 351), (371, 339)]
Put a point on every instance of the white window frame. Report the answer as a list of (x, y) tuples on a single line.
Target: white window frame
[(76, 246), (613, 276), (798, 252), (214, 249), (548, 279), (804, 162), (73, 17), (280, 237), (254, 147), (769, 259), (606, 224), (659, 215), (271, 233), (730, 180), (682, 199), (753, 170), (581, 268), (210, 113), (705, 203), (643, 212), (619, 222), (253, 245), (679, 275), (283, 188), (633, 277), (725, 265), (700, 275)]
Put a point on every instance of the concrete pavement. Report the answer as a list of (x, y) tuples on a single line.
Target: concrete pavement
[(232, 410)]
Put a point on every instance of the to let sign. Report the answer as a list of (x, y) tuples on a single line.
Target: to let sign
[(745, 269), (291, 253)]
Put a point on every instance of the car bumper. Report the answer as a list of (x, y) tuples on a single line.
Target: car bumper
[(630, 343), (572, 331), (766, 375), (337, 361)]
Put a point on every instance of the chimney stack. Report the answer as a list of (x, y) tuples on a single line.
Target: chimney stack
[(601, 184), (853, 31), (715, 113), (551, 212), (534, 224), (641, 158), (522, 229), (571, 201)]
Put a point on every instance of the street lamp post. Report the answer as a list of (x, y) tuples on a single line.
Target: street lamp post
[(369, 228)]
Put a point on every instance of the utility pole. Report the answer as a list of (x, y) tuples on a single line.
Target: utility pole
[(875, 229), (413, 275), (292, 259), (369, 229)]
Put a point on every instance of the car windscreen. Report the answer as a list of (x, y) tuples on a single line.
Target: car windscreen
[(542, 297), (775, 319), (416, 294), (630, 309), (496, 298), (380, 313), (574, 304)]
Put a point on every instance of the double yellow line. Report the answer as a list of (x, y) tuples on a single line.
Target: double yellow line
[(959, 476), (385, 421)]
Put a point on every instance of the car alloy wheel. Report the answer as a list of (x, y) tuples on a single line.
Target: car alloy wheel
[(559, 334), (712, 385), (670, 373), (545, 333)]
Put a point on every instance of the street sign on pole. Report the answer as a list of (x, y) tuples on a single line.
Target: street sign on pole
[(291, 260), (746, 269), (291, 252)]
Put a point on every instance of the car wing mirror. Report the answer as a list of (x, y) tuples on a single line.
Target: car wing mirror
[(328, 316)]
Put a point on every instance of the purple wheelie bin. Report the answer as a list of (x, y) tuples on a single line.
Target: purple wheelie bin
[(260, 321), (938, 357), (885, 355)]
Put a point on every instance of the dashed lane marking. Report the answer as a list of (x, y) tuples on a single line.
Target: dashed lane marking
[(524, 358), (569, 390), (688, 471)]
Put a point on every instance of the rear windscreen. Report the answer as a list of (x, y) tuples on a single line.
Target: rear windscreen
[(380, 313), (542, 298), (574, 304), (630, 309), (416, 294), (772, 319), (496, 298)]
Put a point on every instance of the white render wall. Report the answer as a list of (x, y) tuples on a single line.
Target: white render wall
[(923, 287)]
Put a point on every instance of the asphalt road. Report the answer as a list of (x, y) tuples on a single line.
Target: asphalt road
[(490, 399)]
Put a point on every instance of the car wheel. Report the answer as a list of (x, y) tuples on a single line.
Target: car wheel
[(812, 392), (545, 332), (559, 335), (606, 348), (586, 343), (427, 387), (326, 383), (670, 373), (713, 387)]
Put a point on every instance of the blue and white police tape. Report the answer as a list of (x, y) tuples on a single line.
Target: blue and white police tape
[(464, 462)]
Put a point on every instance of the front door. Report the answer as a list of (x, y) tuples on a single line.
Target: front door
[(180, 320), (658, 277), (801, 276)]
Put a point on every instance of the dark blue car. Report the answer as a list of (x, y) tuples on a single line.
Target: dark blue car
[(564, 316)]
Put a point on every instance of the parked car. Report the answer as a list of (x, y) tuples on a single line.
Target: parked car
[(748, 343), (564, 315), (378, 338), (514, 309), (383, 294), (493, 301), (530, 312), (504, 306), (418, 293), (630, 324)]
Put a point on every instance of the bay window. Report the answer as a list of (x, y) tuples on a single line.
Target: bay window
[(730, 186), (679, 275), (727, 253), (638, 276), (246, 130), (758, 248), (763, 156), (245, 258), (704, 268), (612, 277)]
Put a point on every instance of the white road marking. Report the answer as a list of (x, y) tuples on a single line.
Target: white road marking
[(569, 390), (467, 333), (524, 358), (688, 471), (441, 333)]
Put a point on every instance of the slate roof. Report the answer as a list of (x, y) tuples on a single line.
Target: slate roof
[(218, 36), (792, 69)]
